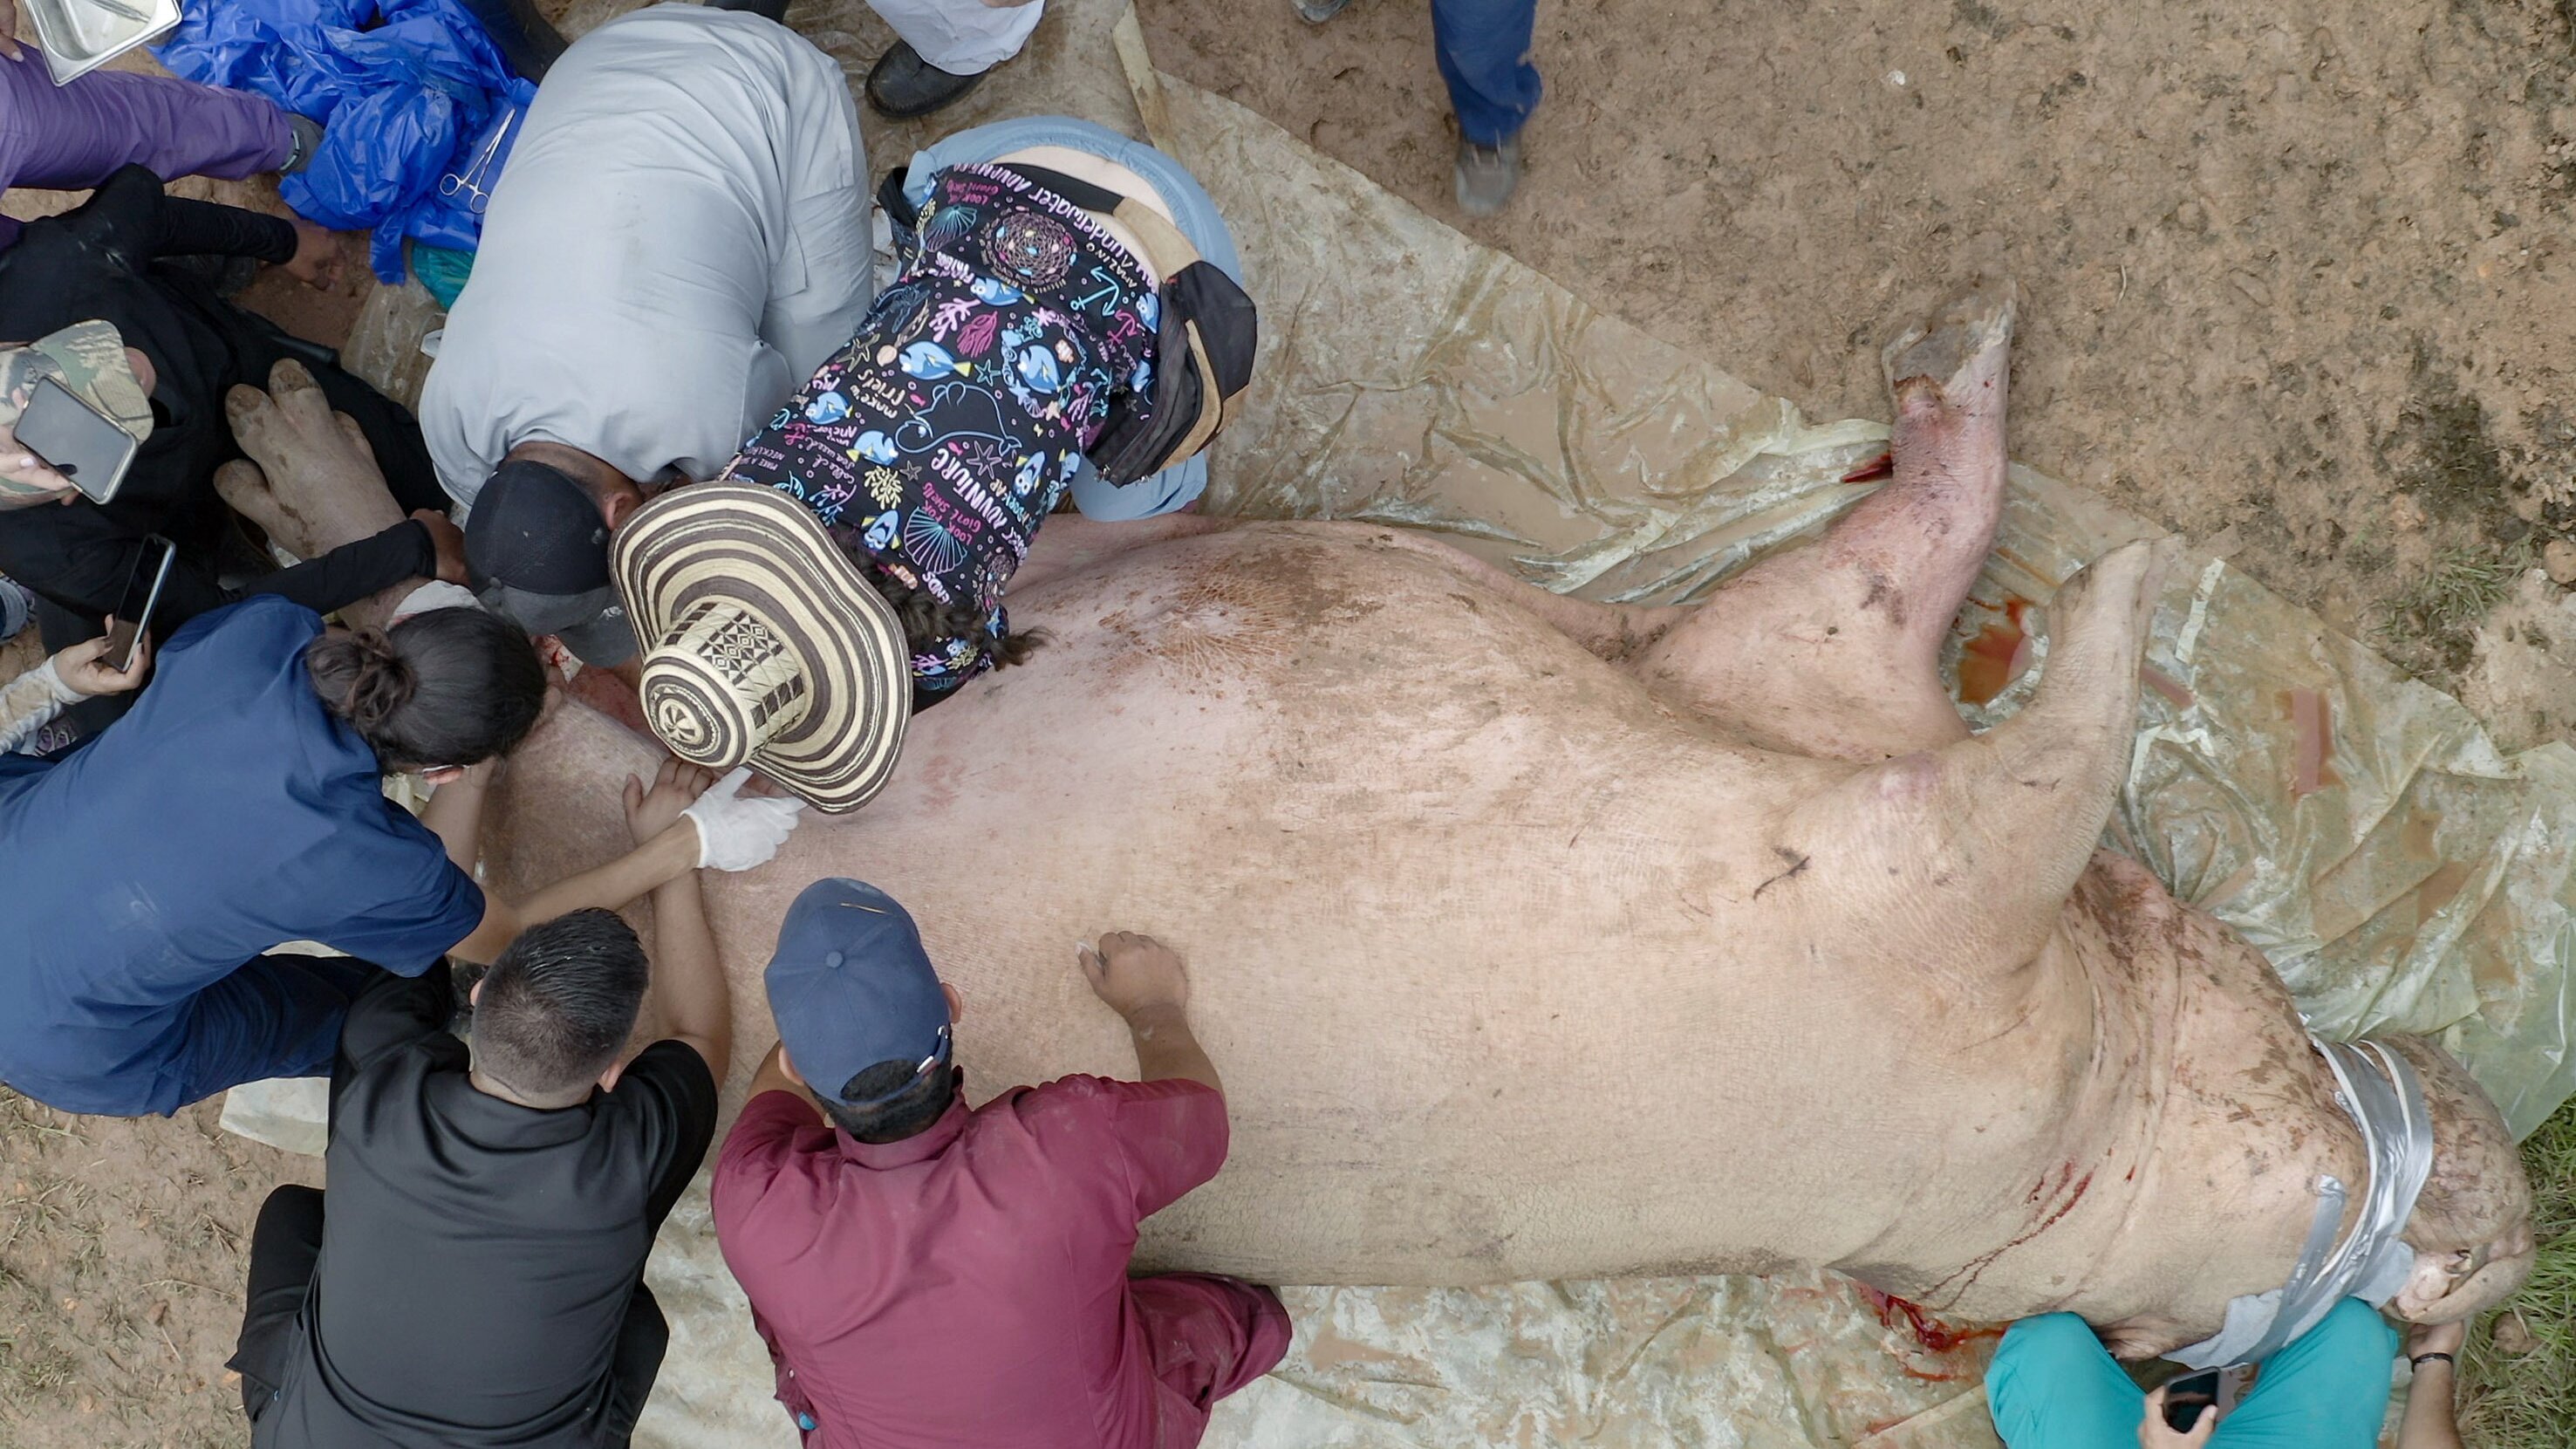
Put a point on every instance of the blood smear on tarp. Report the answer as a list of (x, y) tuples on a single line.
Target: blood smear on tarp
[(2311, 742), (1998, 654)]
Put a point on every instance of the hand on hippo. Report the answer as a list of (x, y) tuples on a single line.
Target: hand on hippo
[(2426, 1338), (1135, 975), (652, 809), (317, 258), (447, 541), (738, 831)]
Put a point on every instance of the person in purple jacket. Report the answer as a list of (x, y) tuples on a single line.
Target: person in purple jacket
[(71, 138)]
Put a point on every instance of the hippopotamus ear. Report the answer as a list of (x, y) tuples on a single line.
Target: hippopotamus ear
[(2449, 1287), (2471, 1228)]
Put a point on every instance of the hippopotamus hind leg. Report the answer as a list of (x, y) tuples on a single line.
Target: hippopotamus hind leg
[(1834, 649), (1961, 858)]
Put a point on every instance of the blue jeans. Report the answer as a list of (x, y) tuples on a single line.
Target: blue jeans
[(1180, 485), (2053, 1386), (1484, 48)]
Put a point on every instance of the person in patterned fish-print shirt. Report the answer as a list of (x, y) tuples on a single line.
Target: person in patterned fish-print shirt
[(934, 445)]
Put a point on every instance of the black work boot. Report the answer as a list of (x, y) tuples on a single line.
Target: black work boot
[(901, 85), (526, 41)]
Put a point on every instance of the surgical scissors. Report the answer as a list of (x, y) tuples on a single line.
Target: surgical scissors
[(479, 171)]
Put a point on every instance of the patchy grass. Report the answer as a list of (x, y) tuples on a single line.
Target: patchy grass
[(2431, 625), (2528, 1400)]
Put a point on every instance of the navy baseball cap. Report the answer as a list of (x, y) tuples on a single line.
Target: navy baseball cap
[(536, 550), (851, 987)]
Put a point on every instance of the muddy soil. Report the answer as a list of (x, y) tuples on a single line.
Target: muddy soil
[(2298, 277)]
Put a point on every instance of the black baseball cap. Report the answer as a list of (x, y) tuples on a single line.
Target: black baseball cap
[(536, 550)]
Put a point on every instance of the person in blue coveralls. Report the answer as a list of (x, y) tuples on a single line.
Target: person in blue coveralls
[(239, 807)]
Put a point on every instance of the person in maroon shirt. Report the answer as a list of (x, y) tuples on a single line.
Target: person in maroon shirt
[(926, 1275)]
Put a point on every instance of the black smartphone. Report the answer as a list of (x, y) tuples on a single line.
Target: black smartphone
[(75, 440), (2185, 1397), (134, 612)]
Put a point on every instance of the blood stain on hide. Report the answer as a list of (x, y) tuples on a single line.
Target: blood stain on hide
[(1996, 656), (1977, 1266), (1882, 466), (1934, 1335)]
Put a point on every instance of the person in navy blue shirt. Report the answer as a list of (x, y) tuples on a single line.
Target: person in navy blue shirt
[(239, 806)]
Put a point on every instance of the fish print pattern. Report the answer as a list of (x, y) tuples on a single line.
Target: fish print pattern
[(935, 443)]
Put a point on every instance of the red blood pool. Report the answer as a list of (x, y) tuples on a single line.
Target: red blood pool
[(1996, 656)]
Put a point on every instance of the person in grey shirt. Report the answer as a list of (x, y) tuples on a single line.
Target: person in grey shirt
[(679, 238)]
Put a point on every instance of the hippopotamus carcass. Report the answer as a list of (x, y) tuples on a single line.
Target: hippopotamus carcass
[(1541, 938)]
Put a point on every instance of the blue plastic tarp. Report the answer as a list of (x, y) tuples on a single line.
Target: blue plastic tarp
[(417, 107)]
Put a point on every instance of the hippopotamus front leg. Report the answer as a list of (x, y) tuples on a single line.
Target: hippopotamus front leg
[(1834, 649)]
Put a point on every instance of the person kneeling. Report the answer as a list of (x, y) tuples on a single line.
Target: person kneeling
[(1068, 322), (2053, 1386), (240, 807), (478, 1275), (926, 1274)]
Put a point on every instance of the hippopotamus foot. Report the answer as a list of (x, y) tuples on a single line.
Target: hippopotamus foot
[(311, 482), (1834, 649)]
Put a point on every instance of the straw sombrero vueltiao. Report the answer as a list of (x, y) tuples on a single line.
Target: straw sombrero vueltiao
[(764, 644)]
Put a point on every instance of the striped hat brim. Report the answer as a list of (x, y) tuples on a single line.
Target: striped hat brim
[(764, 643)]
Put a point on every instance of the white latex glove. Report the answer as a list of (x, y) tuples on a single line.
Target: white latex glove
[(736, 831), (430, 597)]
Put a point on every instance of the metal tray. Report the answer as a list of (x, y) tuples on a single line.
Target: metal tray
[(79, 36)]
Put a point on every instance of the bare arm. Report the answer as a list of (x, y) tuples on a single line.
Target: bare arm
[(2429, 1422), (773, 1076), (455, 813), (642, 869), (1142, 980), (666, 849), (689, 996)]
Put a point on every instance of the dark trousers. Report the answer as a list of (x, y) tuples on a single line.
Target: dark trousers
[(286, 1247)]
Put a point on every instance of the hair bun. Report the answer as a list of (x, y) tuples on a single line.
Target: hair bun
[(383, 683), (372, 682)]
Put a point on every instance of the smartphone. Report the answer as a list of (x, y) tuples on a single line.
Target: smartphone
[(2185, 1397), (75, 440), (134, 613)]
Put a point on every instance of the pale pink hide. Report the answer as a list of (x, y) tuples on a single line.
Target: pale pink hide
[(1537, 938)]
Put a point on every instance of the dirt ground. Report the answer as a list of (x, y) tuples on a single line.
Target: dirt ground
[(122, 1249), (2294, 284), (2296, 277)]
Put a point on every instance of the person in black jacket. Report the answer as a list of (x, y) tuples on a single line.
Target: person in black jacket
[(107, 260)]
